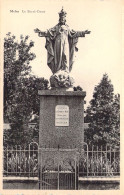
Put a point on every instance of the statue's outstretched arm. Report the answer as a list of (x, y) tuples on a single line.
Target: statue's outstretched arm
[(81, 33), (41, 33)]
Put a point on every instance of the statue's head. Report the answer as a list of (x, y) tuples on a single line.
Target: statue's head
[(62, 17)]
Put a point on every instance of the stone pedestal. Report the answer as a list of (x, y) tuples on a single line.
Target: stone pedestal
[(61, 119)]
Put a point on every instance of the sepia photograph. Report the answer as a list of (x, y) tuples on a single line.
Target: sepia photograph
[(62, 83)]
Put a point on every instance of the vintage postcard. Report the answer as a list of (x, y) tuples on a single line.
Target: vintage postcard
[(62, 97)]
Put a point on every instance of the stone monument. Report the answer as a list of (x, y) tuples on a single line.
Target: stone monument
[(61, 110)]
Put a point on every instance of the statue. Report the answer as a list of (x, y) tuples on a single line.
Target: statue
[(61, 45)]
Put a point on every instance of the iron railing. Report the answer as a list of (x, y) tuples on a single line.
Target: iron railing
[(94, 162), (99, 162), (21, 161)]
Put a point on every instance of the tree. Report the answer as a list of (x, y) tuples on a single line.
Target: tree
[(102, 115), (23, 106), (17, 57), (21, 98), (115, 133)]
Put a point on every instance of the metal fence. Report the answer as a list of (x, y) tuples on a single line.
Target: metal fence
[(99, 162), (21, 161), (94, 162)]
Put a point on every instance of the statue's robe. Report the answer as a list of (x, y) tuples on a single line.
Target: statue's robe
[(61, 45)]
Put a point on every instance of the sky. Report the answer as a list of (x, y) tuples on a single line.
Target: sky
[(99, 52)]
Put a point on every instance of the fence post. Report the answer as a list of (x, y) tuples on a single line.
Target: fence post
[(7, 160), (29, 160), (16, 160), (33, 162), (39, 176), (110, 155), (24, 161), (58, 165), (92, 162), (20, 160), (114, 160), (97, 162), (75, 171), (106, 160), (87, 158), (101, 161), (11, 159)]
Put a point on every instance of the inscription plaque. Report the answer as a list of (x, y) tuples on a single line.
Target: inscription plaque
[(62, 115)]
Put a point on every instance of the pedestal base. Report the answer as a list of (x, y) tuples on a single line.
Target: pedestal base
[(61, 119)]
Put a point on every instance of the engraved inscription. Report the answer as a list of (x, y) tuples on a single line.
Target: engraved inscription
[(62, 115)]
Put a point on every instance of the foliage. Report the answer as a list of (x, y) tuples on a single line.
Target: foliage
[(17, 57), (78, 88), (99, 165), (103, 115), (21, 98), (21, 161)]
